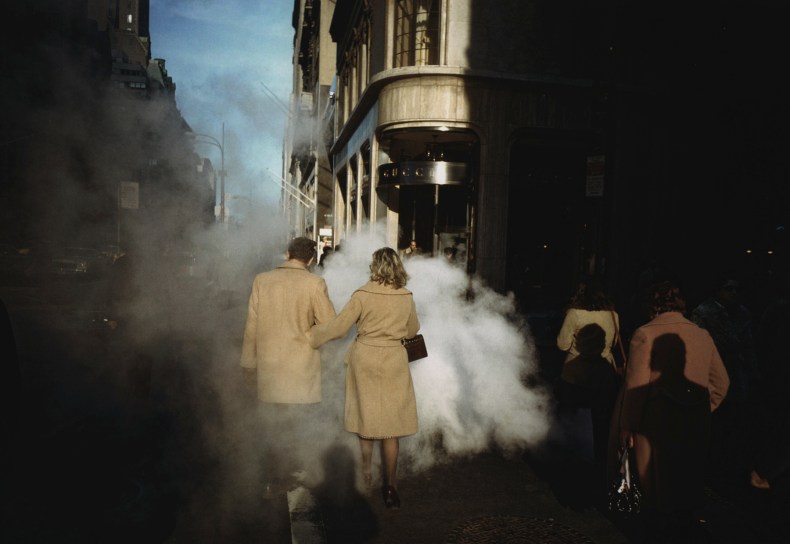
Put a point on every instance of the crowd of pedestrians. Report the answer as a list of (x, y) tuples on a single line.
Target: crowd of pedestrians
[(688, 392), (701, 394)]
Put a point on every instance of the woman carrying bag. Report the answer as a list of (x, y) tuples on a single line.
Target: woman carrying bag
[(589, 377), (674, 379)]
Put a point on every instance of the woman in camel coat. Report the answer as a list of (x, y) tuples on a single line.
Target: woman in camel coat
[(674, 380), (380, 401)]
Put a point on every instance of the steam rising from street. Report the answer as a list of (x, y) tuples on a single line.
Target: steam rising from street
[(470, 389)]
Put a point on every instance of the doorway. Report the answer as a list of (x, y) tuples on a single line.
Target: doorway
[(550, 222)]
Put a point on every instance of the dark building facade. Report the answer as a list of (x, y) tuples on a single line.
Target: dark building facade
[(94, 149), (545, 141)]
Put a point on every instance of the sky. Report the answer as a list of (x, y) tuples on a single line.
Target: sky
[(231, 61)]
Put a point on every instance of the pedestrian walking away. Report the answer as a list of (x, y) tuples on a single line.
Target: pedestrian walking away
[(284, 303), (674, 379), (380, 404)]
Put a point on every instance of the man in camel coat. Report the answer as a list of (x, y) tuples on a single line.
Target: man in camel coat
[(284, 303)]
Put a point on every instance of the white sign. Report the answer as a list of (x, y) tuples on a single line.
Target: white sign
[(129, 195), (596, 166)]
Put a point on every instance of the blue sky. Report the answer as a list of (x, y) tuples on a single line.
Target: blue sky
[(224, 56)]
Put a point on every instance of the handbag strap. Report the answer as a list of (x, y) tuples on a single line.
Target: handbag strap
[(619, 340), (625, 365)]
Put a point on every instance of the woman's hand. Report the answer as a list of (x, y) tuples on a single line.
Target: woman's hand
[(626, 439)]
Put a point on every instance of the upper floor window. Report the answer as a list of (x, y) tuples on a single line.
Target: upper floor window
[(416, 32)]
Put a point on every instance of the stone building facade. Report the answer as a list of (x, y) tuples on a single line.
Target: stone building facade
[(451, 116), (541, 141)]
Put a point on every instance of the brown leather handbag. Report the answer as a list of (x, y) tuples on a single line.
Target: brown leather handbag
[(415, 347)]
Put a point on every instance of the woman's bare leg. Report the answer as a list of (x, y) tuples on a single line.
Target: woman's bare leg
[(366, 448), (390, 448)]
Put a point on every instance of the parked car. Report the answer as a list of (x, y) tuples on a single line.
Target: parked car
[(79, 262)]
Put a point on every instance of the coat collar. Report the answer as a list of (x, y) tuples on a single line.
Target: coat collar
[(668, 317), (379, 289), (293, 264)]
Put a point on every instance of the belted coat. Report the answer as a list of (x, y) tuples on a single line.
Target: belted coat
[(284, 303), (380, 400)]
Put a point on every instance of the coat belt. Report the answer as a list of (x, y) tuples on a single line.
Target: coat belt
[(378, 343)]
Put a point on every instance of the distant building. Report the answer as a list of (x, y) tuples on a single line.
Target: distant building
[(97, 130), (129, 22), (308, 200)]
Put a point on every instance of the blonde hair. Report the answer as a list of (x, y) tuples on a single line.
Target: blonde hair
[(386, 268)]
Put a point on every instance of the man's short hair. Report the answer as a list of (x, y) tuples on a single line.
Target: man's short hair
[(302, 249)]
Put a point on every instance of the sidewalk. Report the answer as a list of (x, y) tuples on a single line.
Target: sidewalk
[(488, 499)]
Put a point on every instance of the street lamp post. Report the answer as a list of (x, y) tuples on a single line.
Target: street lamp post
[(211, 140)]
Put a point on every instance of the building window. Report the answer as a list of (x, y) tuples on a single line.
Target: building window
[(417, 32)]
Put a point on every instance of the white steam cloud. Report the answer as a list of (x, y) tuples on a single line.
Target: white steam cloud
[(471, 392)]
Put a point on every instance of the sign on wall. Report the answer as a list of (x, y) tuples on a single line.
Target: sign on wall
[(129, 195), (596, 165)]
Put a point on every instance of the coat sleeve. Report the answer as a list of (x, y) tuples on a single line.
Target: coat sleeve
[(337, 326), (249, 351), (567, 332), (413, 325), (323, 309), (718, 379), (637, 380)]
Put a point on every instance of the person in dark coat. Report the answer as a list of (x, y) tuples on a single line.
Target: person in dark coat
[(770, 421), (589, 381), (10, 383)]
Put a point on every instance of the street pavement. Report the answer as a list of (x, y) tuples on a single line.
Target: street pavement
[(113, 448)]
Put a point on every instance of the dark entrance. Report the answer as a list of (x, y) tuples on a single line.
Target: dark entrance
[(430, 181), (552, 225), (437, 217)]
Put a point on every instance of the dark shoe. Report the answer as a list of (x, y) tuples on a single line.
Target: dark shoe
[(391, 498)]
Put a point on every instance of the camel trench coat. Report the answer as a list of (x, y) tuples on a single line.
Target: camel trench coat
[(671, 421), (380, 400), (284, 303)]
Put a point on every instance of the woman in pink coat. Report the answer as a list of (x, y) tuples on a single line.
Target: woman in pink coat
[(674, 380), (380, 401)]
